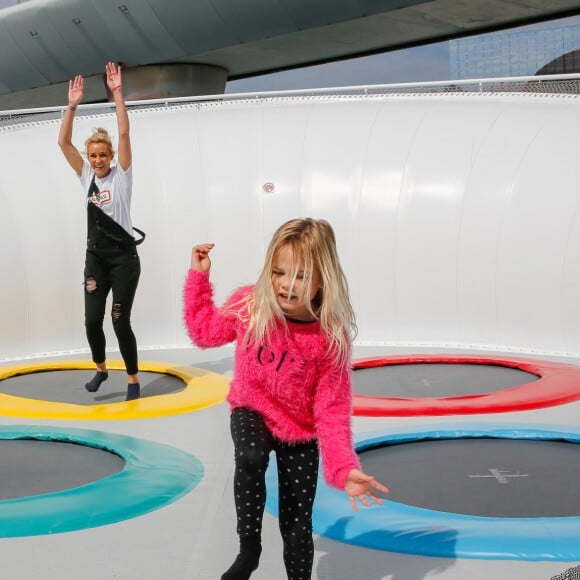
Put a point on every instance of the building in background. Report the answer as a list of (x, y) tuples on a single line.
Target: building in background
[(528, 51), (539, 49)]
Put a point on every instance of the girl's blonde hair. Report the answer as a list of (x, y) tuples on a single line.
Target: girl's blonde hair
[(100, 135), (313, 246)]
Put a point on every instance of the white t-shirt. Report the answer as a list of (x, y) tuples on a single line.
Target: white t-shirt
[(114, 196)]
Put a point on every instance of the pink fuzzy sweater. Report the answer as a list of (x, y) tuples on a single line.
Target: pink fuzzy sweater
[(298, 389)]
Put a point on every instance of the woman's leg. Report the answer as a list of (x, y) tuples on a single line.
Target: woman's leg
[(97, 286), (125, 271), (252, 443), (297, 478)]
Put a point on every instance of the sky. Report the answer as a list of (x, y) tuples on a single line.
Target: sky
[(418, 64)]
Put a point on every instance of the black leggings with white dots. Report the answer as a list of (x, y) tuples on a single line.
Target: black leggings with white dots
[(297, 476)]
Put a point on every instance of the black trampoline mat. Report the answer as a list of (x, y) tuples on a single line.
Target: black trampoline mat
[(422, 380), (481, 476), (32, 467), (68, 386)]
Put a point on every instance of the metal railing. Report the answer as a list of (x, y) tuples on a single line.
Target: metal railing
[(547, 85)]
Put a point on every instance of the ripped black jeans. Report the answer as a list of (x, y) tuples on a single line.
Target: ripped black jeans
[(110, 266)]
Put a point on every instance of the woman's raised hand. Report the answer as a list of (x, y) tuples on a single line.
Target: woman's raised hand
[(200, 257), (114, 81), (75, 91)]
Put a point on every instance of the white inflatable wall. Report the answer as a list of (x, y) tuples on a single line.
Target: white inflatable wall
[(457, 215)]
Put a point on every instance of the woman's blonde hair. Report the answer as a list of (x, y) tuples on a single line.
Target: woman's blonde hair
[(313, 246), (100, 135)]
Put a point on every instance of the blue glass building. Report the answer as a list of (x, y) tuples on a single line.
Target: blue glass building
[(549, 49)]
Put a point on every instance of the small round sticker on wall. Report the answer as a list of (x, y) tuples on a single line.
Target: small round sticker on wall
[(268, 187)]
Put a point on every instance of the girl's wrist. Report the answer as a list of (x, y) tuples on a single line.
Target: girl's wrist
[(72, 107)]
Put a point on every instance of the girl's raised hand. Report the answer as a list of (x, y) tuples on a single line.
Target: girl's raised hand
[(113, 76), (75, 91), (361, 486), (200, 257)]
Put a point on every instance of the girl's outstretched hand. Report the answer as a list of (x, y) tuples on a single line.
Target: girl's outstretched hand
[(200, 257), (360, 485), (75, 91), (113, 76)]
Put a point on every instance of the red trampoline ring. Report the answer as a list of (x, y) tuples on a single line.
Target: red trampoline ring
[(558, 383)]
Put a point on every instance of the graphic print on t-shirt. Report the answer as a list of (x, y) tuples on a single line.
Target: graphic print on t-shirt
[(100, 198)]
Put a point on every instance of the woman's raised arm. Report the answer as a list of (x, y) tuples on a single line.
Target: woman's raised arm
[(75, 95), (115, 84)]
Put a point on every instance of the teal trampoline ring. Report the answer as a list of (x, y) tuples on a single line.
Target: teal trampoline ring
[(154, 475)]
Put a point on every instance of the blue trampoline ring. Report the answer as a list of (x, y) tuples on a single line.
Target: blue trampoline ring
[(407, 529), (154, 475)]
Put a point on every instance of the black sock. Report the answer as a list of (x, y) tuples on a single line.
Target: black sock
[(93, 385), (246, 562), (133, 391)]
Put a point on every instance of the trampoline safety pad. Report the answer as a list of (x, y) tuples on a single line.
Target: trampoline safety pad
[(402, 528), (551, 383), (154, 475), (203, 389)]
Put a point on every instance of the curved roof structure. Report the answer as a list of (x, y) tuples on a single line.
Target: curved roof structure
[(43, 43), (564, 64)]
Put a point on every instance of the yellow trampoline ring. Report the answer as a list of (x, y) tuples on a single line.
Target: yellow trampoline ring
[(203, 389)]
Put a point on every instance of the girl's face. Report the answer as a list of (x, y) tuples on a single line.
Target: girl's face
[(294, 304), (100, 157)]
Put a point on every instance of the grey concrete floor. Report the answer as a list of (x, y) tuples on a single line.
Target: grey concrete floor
[(194, 537)]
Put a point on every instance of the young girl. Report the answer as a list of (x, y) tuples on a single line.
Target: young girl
[(111, 262), (291, 390)]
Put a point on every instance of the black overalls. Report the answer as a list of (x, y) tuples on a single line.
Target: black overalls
[(111, 263)]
